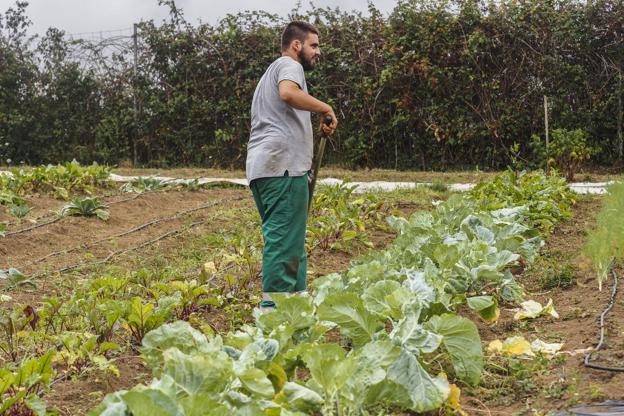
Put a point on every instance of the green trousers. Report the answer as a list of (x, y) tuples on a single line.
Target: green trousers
[(283, 206)]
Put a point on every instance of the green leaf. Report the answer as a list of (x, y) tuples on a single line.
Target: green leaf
[(7, 403), (256, 381), (198, 373), (35, 371), (364, 275), (386, 299), (296, 311), (253, 355), (112, 405), (14, 279), (461, 340), (150, 402), (410, 335), (6, 380), (416, 282), (328, 366), (298, 397), (412, 385), (326, 285), (36, 404), (197, 405), (179, 334), (373, 360), (102, 214), (485, 306), (502, 259), (347, 310)]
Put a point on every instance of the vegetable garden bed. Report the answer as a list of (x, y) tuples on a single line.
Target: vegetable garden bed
[(208, 276)]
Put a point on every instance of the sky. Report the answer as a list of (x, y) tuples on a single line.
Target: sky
[(86, 16)]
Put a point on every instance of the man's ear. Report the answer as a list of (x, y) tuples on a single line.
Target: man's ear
[(296, 45)]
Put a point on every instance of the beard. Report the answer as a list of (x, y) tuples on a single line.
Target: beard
[(307, 64)]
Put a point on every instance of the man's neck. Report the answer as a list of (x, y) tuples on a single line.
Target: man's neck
[(292, 54)]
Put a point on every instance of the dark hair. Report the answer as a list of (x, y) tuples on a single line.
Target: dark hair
[(296, 31)]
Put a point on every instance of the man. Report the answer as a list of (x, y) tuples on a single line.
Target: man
[(279, 158)]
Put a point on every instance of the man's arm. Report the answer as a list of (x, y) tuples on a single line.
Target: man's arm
[(295, 97)]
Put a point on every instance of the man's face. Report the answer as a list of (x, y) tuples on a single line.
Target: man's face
[(310, 52)]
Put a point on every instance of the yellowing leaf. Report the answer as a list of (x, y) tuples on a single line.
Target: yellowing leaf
[(277, 375), (539, 346), (532, 309), (495, 347), (453, 401), (517, 345), (550, 309), (512, 346)]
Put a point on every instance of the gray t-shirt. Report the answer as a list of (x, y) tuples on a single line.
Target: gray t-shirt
[(281, 136)]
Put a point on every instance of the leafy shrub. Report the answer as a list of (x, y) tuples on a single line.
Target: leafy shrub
[(547, 198), (19, 210), (567, 150)]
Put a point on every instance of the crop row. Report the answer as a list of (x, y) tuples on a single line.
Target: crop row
[(385, 334)]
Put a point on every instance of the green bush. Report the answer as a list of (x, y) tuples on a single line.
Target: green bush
[(437, 84), (567, 150)]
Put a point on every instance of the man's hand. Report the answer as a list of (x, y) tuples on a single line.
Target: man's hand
[(329, 129)]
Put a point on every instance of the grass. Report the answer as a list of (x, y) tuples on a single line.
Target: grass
[(551, 272)]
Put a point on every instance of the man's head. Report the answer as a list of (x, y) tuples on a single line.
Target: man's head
[(301, 39)]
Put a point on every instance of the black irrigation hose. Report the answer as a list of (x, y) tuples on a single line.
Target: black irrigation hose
[(59, 218), (50, 214), (587, 360), (43, 224), (132, 230), (81, 266)]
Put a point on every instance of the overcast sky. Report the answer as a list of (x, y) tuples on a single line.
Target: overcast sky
[(79, 16)]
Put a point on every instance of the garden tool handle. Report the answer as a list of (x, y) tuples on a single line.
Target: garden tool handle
[(328, 120), (317, 163)]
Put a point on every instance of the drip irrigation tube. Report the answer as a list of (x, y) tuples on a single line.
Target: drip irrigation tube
[(132, 230), (587, 361), (81, 266), (61, 217)]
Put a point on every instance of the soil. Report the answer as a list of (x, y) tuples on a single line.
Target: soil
[(79, 396), (556, 385)]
